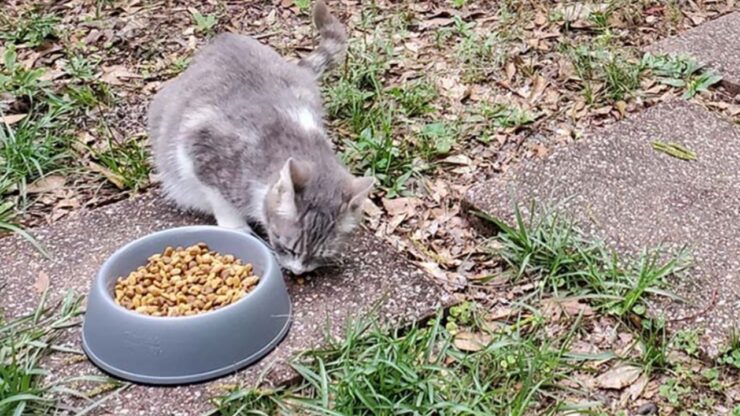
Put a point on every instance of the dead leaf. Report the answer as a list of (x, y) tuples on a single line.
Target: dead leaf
[(570, 306), (399, 206), (635, 390), (538, 87), (436, 22), (540, 19), (472, 342), (13, 118), (621, 106), (42, 282), (113, 74), (433, 269), (619, 377), (46, 184), (115, 179), (510, 71), (500, 312), (458, 160)]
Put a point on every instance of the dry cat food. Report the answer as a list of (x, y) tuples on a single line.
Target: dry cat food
[(185, 281)]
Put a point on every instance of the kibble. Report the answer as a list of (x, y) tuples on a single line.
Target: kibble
[(185, 281)]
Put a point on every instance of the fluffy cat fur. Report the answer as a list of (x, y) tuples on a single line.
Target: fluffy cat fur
[(239, 135)]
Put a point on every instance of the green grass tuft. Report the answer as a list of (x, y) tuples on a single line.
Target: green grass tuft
[(549, 247)]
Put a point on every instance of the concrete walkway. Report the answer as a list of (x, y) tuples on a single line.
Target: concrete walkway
[(371, 274), (623, 191)]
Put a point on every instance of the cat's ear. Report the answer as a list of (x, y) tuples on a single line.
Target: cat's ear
[(293, 177), (357, 191)]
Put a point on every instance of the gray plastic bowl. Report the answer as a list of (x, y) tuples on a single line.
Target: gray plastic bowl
[(179, 350)]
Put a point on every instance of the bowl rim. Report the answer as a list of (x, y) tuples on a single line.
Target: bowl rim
[(100, 277)]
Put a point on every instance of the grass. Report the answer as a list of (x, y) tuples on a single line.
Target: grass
[(682, 72), (42, 141), (31, 28), (24, 343), (373, 114), (608, 73), (127, 162), (549, 248), (203, 23), (418, 371)]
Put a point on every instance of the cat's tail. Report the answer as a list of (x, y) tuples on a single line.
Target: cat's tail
[(332, 43)]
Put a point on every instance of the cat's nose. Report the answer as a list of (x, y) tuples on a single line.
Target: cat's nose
[(293, 266)]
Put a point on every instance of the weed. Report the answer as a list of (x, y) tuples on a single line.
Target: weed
[(302, 5), (462, 315), (32, 148), (712, 377), (80, 68), (674, 391), (7, 214), (480, 55), (653, 344), (682, 72), (458, 3), (32, 29), (420, 371), (731, 355), (128, 163), (203, 24), (415, 97), (380, 156), (436, 139), (687, 340), (24, 342), (18, 81), (259, 402), (179, 65), (550, 248), (604, 73), (369, 111), (506, 116)]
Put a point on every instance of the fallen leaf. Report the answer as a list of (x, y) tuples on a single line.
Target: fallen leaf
[(46, 184), (538, 87), (469, 341), (635, 390), (619, 377), (510, 71), (398, 206), (13, 118), (458, 160), (433, 269), (115, 179), (113, 74), (571, 307), (435, 23), (42, 282), (540, 19)]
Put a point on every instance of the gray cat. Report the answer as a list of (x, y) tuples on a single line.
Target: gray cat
[(239, 135)]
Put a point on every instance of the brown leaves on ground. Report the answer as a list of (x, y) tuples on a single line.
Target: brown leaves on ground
[(471, 341)]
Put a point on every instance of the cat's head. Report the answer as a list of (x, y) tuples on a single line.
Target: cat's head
[(310, 213)]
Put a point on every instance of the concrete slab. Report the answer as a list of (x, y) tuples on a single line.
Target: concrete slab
[(715, 43), (371, 274), (626, 193)]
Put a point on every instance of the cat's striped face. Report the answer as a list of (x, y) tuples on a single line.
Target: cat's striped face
[(315, 240), (310, 215)]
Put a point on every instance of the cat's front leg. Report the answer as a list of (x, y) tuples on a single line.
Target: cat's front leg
[(226, 214)]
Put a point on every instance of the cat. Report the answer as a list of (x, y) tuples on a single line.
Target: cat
[(239, 135)]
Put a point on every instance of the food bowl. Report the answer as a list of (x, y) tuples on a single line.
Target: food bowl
[(186, 349)]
